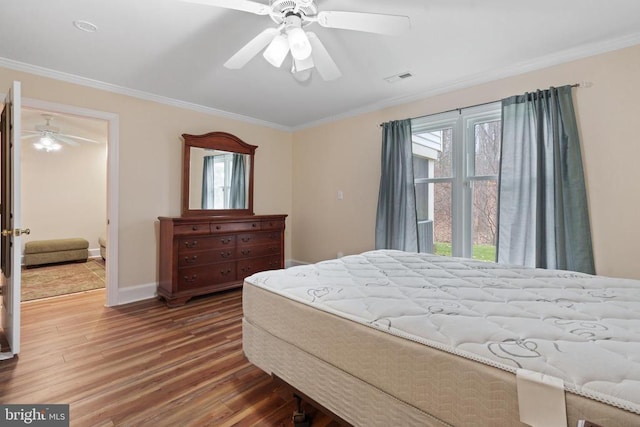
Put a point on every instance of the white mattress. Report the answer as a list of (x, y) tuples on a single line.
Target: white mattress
[(580, 328)]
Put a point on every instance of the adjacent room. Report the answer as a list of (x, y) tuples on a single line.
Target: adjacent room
[(63, 192), (321, 213)]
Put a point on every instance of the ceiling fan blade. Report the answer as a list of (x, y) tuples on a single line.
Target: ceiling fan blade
[(324, 63), (79, 138), (251, 49), (63, 138), (242, 5), (369, 22), (32, 135)]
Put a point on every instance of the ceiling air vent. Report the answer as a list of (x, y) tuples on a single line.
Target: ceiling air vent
[(398, 77)]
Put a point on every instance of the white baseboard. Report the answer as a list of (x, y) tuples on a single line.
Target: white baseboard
[(94, 253), (137, 293), (147, 291)]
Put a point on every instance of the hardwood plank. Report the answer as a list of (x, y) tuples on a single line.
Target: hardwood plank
[(143, 364)]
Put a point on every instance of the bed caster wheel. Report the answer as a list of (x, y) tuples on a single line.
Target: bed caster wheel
[(300, 419)]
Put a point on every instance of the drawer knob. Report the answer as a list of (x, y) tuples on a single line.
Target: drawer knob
[(218, 227), (225, 272), (191, 243), (246, 251), (225, 241), (225, 254), (195, 228), (191, 260), (246, 239), (254, 225), (190, 279)]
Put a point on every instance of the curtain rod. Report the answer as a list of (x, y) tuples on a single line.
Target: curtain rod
[(581, 84)]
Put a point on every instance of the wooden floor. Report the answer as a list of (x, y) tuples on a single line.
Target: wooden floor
[(143, 364)]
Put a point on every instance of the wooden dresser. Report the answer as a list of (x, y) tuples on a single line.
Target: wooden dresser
[(201, 255)]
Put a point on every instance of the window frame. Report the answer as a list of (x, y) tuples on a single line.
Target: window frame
[(462, 122)]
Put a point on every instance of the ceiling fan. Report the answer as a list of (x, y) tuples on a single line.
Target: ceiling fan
[(292, 17), (50, 136)]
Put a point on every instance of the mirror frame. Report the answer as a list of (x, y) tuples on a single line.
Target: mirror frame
[(215, 141)]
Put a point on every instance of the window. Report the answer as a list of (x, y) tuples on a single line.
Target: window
[(456, 165), (217, 188)]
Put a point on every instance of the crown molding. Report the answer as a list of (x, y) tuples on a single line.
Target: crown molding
[(96, 84), (547, 61), (557, 58)]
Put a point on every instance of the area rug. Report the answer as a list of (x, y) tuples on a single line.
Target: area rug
[(53, 280)]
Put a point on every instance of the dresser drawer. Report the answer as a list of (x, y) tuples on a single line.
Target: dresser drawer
[(249, 239), (189, 244), (186, 229), (249, 266), (272, 225), (197, 258), (244, 252), (197, 277), (224, 227)]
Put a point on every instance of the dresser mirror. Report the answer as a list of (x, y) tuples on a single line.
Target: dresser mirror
[(217, 175)]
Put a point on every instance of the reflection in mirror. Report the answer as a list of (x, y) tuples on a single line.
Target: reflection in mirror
[(218, 179)]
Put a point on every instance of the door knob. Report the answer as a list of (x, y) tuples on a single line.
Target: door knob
[(16, 232)]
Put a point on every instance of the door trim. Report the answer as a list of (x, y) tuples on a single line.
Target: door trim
[(113, 121)]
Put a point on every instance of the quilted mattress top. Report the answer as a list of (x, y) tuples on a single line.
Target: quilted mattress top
[(583, 329)]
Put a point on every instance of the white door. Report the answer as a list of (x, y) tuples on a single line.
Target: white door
[(11, 242)]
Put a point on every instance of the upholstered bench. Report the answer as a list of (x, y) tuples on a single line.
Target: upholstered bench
[(39, 252), (102, 241)]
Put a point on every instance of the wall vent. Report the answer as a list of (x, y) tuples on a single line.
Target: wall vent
[(398, 77)]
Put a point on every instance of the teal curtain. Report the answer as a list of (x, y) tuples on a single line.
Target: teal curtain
[(207, 182), (396, 219), (543, 218), (238, 199)]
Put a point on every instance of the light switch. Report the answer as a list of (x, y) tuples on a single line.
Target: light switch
[(340, 195)]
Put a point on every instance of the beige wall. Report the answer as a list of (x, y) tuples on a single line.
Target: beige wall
[(345, 155), (150, 156), (300, 174), (64, 193)]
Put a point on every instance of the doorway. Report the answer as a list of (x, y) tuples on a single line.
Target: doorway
[(63, 188), (109, 123)]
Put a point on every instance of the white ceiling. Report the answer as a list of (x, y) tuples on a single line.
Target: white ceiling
[(172, 50)]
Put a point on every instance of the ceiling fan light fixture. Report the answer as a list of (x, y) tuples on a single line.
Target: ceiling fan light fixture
[(299, 44), (301, 70), (298, 40), (47, 144), (302, 65), (277, 50), (302, 76)]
